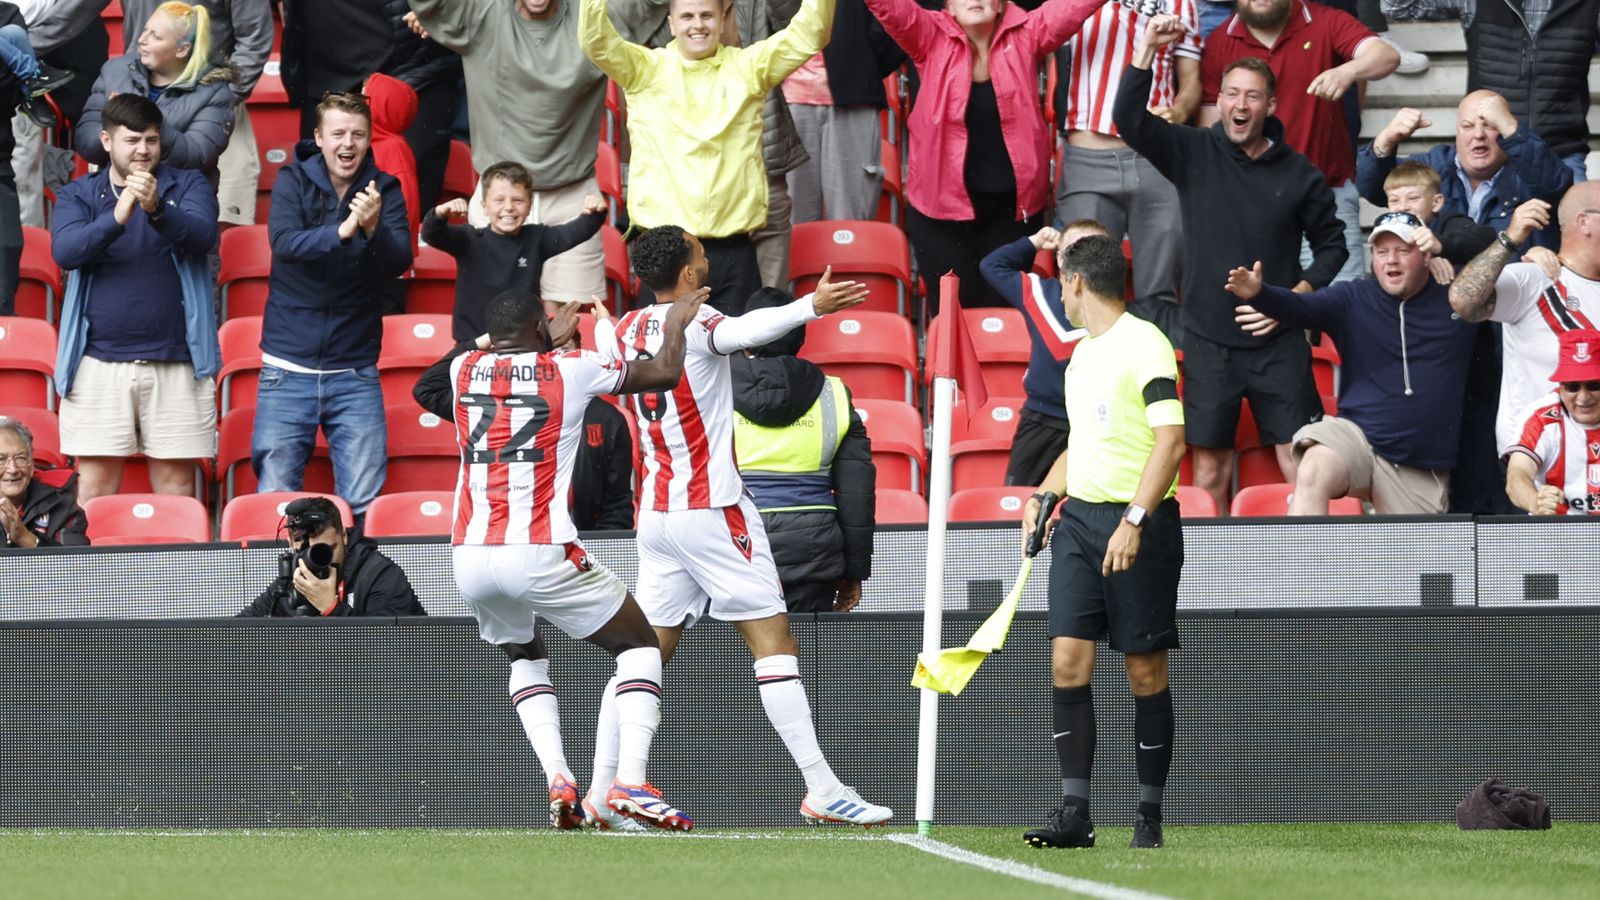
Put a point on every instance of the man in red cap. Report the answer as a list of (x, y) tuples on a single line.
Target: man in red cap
[(1554, 466)]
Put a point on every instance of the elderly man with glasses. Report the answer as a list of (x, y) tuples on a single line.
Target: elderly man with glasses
[(37, 509), (1553, 468), (1405, 358)]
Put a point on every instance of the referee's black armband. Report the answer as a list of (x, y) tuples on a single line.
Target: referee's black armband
[(1160, 389)]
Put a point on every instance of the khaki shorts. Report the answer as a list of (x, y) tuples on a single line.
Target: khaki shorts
[(576, 275), (1392, 488), (155, 408), (239, 173)]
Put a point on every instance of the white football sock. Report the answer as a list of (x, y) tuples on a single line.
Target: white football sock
[(784, 698), (638, 693), (605, 745), (534, 699)]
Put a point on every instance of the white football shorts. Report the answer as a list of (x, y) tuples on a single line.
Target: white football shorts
[(506, 586), (699, 562)]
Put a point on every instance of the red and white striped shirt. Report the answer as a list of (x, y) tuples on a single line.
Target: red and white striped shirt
[(1103, 49), (1535, 311), (1568, 454), (519, 418), (685, 434)]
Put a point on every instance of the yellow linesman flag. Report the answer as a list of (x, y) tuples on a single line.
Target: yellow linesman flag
[(948, 671)]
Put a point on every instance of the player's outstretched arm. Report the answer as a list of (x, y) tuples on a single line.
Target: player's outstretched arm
[(663, 372), (763, 326)]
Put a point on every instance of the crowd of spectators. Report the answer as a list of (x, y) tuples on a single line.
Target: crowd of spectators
[(1221, 140)]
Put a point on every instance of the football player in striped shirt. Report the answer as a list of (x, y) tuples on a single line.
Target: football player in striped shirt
[(702, 548), (518, 410)]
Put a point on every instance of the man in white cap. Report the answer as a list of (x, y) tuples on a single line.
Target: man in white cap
[(1401, 384), (1553, 467)]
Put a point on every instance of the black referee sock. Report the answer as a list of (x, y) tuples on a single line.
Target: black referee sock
[(1074, 737), (1152, 730)]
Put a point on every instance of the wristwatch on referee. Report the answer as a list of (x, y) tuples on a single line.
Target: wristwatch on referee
[(1135, 515)]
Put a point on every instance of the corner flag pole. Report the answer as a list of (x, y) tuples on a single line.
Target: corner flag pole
[(944, 397)]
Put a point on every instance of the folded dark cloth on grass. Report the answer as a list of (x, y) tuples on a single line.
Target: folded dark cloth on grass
[(1496, 805)]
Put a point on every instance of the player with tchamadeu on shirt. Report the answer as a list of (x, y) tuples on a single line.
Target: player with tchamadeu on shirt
[(518, 410), (702, 548)]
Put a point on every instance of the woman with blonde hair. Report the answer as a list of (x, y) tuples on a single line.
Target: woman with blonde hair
[(173, 67)]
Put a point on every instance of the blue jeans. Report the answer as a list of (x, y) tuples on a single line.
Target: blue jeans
[(1579, 164), (1213, 15), (348, 406), (17, 54)]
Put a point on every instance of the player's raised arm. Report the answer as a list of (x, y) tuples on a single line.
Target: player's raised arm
[(763, 326), (663, 372)]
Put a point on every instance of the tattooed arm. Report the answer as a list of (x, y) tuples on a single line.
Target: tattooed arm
[(1472, 293)]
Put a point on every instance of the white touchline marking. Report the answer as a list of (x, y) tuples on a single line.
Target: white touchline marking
[(1023, 871)]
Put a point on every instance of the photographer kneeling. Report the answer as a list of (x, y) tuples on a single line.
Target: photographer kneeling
[(324, 575)]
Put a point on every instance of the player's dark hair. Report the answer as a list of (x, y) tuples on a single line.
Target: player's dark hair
[(134, 112), (510, 312), (1098, 260), (1258, 66), (658, 256)]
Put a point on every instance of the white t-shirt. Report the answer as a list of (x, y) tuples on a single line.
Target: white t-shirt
[(1534, 311)]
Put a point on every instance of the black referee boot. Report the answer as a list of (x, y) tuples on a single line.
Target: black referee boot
[(1069, 826), (1146, 833)]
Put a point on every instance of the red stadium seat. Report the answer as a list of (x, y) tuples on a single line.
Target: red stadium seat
[(898, 451), (1325, 367), (612, 121), (979, 463), (1257, 466), (874, 253), (136, 477), (423, 453), (411, 514), (993, 504), (147, 519), (619, 280), (994, 420), (111, 17), (901, 507), (608, 175), (1196, 503), (27, 362), (256, 517), (460, 179), (1000, 337), (1273, 500), (236, 478), (39, 281), (46, 431), (874, 353), (246, 263), (431, 283), (411, 343), (240, 340), (276, 124)]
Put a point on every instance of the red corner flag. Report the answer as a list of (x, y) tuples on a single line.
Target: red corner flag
[(955, 356)]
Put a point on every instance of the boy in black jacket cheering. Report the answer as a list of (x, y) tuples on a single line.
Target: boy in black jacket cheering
[(1245, 195), (509, 255)]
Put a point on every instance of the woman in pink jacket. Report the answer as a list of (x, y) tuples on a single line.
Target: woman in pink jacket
[(979, 172)]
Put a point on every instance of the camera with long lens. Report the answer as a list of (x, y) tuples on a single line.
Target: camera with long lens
[(303, 519)]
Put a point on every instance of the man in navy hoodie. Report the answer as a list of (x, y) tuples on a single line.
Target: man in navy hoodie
[(1403, 379), (339, 236)]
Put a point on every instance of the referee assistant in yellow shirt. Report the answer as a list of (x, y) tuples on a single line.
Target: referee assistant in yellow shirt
[(1118, 550)]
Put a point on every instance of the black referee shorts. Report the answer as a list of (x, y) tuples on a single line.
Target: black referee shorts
[(1137, 608), (1275, 376)]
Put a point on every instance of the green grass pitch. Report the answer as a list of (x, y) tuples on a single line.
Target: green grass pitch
[(1310, 861)]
